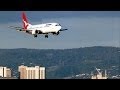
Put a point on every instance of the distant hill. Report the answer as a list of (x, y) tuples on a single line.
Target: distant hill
[(62, 63)]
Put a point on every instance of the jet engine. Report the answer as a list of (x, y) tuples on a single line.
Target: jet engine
[(33, 32)]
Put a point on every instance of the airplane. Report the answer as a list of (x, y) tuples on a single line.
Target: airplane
[(45, 28)]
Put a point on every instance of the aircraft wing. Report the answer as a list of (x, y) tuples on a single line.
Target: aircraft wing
[(63, 29), (21, 29), (17, 28)]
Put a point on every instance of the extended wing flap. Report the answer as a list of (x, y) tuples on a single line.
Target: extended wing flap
[(13, 27), (17, 28)]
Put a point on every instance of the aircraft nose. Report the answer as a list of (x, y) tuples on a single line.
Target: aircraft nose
[(60, 27)]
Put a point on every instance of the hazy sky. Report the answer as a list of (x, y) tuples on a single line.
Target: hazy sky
[(85, 29)]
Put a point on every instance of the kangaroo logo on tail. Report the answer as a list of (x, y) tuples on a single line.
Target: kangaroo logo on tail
[(25, 21)]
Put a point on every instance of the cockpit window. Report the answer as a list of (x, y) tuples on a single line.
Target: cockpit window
[(48, 24), (57, 25)]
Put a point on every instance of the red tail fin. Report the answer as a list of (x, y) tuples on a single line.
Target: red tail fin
[(25, 21)]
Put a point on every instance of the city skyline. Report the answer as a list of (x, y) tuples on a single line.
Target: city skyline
[(36, 72), (85, 29)]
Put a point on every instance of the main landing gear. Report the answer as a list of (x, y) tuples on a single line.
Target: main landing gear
[(46, 36), (35, 35)]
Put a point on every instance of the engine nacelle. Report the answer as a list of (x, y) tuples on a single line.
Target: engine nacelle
[(36, 32), (56, 33), (33, 32)]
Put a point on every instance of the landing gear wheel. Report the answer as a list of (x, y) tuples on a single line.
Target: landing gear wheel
[(58, 33), (46, 36), (35, 35)]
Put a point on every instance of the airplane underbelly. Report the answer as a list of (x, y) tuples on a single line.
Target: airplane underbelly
[(29, 32), (48, 30)]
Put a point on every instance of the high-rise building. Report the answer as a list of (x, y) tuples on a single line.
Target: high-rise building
[(5, 72), (36, 72), (22, 70), (8, 72), (42, 73)]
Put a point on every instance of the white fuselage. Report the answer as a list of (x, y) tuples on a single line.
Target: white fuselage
[(45, 28)]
